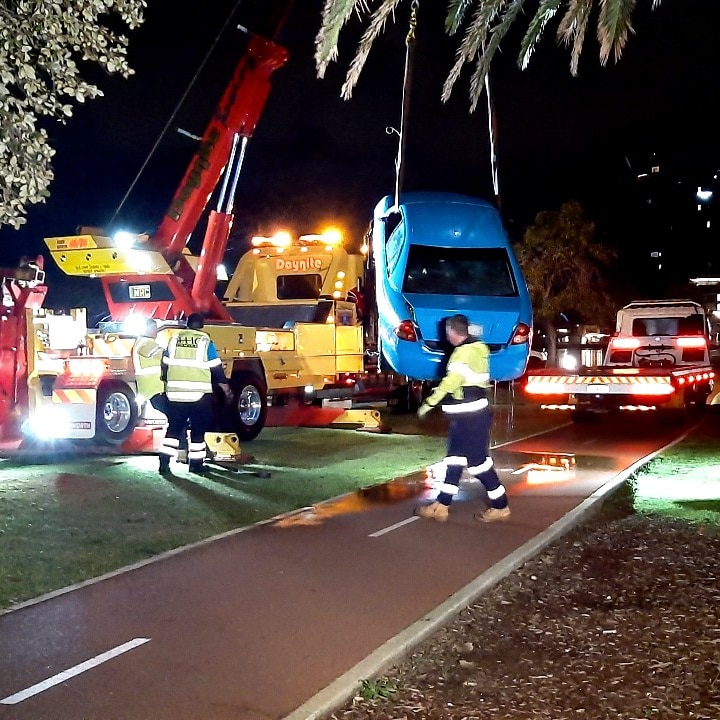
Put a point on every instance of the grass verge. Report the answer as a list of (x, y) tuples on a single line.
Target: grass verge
[(684, 481)]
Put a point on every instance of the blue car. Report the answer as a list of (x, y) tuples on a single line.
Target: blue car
[(436, 255)]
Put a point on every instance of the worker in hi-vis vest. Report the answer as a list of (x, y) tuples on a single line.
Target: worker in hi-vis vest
[(191, 370), (146, 357), (462, 395)]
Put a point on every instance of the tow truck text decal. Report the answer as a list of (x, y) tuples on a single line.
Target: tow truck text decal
[(283, 264)]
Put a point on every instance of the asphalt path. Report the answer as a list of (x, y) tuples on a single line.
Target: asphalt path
[(283, 619)]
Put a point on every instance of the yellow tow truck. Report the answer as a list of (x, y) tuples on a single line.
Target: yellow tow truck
[(289, 325), (292, 328)]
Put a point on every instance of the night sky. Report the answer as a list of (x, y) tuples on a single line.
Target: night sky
[(316, 158)]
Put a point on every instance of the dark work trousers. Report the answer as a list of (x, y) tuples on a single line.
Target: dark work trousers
[(468, 446), (199, 416), (160, 402)]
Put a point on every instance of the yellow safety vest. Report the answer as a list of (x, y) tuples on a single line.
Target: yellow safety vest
[(468, 375), (147, 362), (187, 373)]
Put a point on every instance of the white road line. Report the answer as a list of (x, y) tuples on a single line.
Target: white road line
[(72, 672), (390, 528)]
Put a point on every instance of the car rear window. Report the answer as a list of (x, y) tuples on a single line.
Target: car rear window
[(668, 326), (459, 271)]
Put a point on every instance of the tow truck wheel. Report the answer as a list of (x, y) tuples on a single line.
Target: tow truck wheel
[(117, 414), (249, 405)]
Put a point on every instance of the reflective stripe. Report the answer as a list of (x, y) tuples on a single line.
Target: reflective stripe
[(151, 370), (169, 448), (183, 395), (456, 460), (449, 489), (196, 452), (179, 362), (189, 384), (472, 377), (483, 467), (472, 406), (497, 493)]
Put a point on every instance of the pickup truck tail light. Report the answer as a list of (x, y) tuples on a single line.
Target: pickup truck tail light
[(624, 343), (691, 342)]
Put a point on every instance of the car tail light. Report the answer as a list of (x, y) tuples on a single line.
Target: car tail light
[(521, 334), (691, 342), (625, 343), (406, 331)]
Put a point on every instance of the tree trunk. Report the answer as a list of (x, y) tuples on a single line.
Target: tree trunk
[(551, 339)]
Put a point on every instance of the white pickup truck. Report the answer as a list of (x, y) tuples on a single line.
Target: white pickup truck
[(657, 359)]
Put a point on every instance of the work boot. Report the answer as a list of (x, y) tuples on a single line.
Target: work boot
[(493, 514), (198, 468), (164, 468), (433, 511)]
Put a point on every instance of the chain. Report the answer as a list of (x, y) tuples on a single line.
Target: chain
[(414, 5)]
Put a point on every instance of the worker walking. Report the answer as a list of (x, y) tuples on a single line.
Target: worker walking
[(147, 356), (191, 370), (463, 394)]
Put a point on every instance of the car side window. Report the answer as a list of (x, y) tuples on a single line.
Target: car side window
[(395, 234)]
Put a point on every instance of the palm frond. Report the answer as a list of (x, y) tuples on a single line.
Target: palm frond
[(613, 27), (457, 9), (477, 81), (472, 42), (546, 11), (335, 15), (375, 28), (573, 28), (579, 39)]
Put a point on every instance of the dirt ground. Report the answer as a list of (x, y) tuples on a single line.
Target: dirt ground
[(619, 619)]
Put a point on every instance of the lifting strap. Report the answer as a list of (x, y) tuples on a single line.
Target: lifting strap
[(492, 135), (407, 82)]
